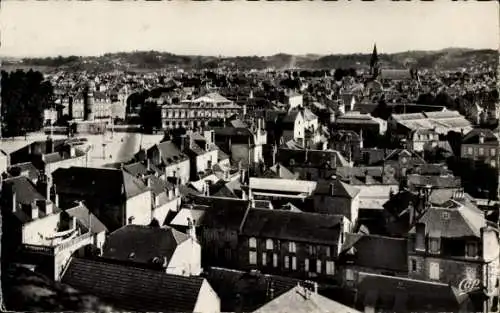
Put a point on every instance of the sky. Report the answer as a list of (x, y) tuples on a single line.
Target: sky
[(52, 28)]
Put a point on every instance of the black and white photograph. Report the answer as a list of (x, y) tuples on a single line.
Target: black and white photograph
[(250, 156)]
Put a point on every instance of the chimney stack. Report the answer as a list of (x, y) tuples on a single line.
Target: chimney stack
[(332, 189), (147, 164), (207, 188), (34, 210), (14, 202)]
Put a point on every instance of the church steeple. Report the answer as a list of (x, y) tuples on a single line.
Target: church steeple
[(374, 62)]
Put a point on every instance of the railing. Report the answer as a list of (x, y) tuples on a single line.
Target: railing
[(36, 248), (73, 242), (59, 248)]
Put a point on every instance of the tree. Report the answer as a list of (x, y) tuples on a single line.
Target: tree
[(25, 95)]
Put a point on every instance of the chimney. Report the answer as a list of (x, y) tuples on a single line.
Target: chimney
[(147, 164), (183, 139), (191, 228), (332, 189), (315, 288), (34, 210), (14, 202), (278, 169), (148, 181), (72, 152), (481, 138), (207, 188), (56, 196), (259, 124)]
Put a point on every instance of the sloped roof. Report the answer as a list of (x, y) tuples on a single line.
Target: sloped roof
[(295, 301), (340, 189), (375, 251), (410, 294), (293, 226), (98, 182), (26, 195), (473, 137), (170, 153), (222, 213), (136, 289), (145, 242), (88, 219), (453, 219)]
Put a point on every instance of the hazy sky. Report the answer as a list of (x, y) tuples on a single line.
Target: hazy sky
[(244, 28)]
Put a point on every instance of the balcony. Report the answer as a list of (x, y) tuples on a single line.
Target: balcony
[(72, 244)]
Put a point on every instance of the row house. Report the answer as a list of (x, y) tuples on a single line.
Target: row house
[(242, 144), (455, 244), (201, 150), (165, 195), (198, 112), (168, 249), (40, 233), (170, 161), (116, 197), (310, 164), (296, 244), (481, 145)]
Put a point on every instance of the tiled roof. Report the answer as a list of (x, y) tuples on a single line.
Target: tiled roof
[(170, 153), (136, 289), (293, 226), (26, 195), (295, 300), (434, 181), (98, 182), (473, 137), (222, 213), (407, 295), (144, 242), (88, 219), (454, 219), (253, 289), (27, 169), (378, 252), (340, 189)]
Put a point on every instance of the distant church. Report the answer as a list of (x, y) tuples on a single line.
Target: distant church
[(388, 74)]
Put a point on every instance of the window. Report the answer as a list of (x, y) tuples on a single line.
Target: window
[(252, 257), (471, 249), (312, 249), (294, 263), (269, 244), (493, 163), (287, 261), (264, 259), (469, 150), (292, 247), (275, 260), (413, 265), (328, 252), (349, 275), (434, 270), (493, 151), (306, 265), (330, 268), (435, 242), (481, 151), (252, 242), (318, 266)]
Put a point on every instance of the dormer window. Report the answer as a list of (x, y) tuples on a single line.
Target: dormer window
[(445, 215)]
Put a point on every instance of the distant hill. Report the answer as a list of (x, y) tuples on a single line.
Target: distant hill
[(451, 58)]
